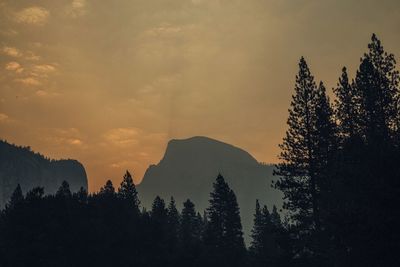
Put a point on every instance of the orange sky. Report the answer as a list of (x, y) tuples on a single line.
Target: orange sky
[(110, 82)]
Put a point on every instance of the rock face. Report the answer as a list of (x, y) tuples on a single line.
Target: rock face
[(190, 166), (19, 165)]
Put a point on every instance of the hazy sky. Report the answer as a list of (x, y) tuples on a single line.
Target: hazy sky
[(110, 82)]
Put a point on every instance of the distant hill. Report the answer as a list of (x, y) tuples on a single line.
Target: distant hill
[(20, 165), (189, 168)]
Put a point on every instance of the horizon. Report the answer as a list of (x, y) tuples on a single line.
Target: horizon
[(108, 84)]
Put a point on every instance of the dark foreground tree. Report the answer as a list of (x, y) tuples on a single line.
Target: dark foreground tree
[(224, 244), (269, 245), (306, 150), (190, 235)]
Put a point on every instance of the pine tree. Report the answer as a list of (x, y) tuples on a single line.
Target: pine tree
[(16, 198), (347, 107), (275, 217), (159, 232), (256, 232), (190, 230), (127, 192), (268, 240), (107, 190), (224, 236), (388, 79), (173, 223), (35, 194), (64, 191), (297, 171), (377, 83), (305, 152), (81, 196), (374, 121)]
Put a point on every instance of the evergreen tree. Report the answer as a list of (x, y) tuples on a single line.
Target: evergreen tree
[(64, 191), (347, 107), (297, 172), (374, 120), (307, 149), (16, 198), (256, 232), (190, 231), (127, 192), (81, 195), (377, 83), (107, 190), (268, 239), (388, 81), (35, 194), (173, 223), (275, 217), (224, 236), (159, 233)]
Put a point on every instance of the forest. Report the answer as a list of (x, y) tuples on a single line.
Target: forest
[(339, 172)]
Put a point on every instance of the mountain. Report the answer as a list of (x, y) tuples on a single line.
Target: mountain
[(20, 165), (190, 166)]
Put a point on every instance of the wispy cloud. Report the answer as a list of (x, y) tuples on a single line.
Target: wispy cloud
[(44, 68), (33, 15), (43, 93), (14, 66), (30, 81), (77, 8), (12, 51), (123, 136)]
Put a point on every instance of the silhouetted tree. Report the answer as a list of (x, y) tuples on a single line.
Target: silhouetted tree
[(223, 236), (127, 192), (305, 150), (268, 239), (81, 196), (35, 194), (107, 190), (16, 198), (347, 107), (190, 233), (64, 191)]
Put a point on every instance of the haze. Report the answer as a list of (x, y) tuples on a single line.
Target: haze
[(110, 82)]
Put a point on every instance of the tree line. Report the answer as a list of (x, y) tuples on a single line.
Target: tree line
[(339, 173), (108, 228)]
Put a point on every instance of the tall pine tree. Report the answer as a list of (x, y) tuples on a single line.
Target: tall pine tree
[(305, 152), (224, 237)]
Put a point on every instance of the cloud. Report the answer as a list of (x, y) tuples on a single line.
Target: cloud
[(29, 81), (14, 66), (12, 51), (123, 136), (44, 68), (64, 137), (3, 117), (15, 52), (33, 15), (75, 142), (43, 93), (77, 8)]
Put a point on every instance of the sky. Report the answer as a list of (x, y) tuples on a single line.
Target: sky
[(110, 82)]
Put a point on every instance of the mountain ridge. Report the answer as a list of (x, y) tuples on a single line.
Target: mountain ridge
[(21, 165), (189, 167)]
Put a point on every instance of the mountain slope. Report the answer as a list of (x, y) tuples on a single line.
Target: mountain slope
[(19, 165), (190, 166)]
